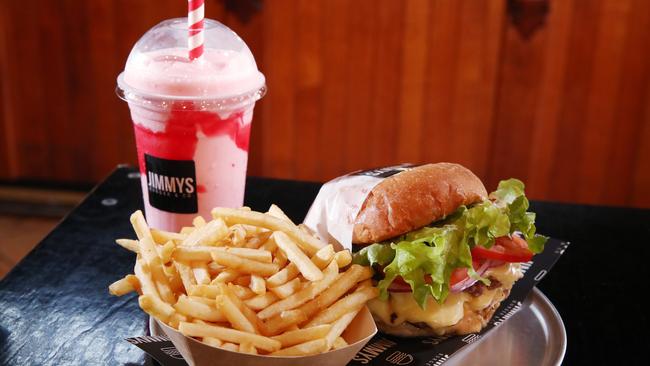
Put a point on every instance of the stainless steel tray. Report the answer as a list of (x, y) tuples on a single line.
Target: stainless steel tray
[(533, 336)]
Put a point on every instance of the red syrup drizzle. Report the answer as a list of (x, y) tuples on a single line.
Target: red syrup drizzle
[(178, 140)]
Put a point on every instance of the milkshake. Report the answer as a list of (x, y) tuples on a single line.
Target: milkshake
[(192, 120)]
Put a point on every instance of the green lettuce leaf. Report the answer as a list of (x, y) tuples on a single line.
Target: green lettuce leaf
[(510, 193), (425, 258), (374, 254)]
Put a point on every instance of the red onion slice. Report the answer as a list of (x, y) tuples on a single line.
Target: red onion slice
[(468, 282)]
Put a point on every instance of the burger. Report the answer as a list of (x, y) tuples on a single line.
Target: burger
[(445, 253)]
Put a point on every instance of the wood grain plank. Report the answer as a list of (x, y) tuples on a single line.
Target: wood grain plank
[(521, 71), (442, 72), (547, 110), (308, 88), (414, 68), (279, 131), (30, 124), (584, 24), (640, 185), (66, 85), (631, 104), (603, 87), (336, 52), (111, 138), (8, 159), (384, 120), (251, 30), (475, 85), (360, 83)]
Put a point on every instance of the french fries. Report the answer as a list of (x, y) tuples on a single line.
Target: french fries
[(343, 258), (349, 303), (321, 259), (261, 301), (212, 291), (125, 285), (247, 282), (201, 273), (229, 335), (206, 234), (226, 276), (304, 349), (258, 285), (214, 342), (233, 313), (338, 327), (303, 335), (339, 342), (197, 309), (288, 289), (204, 254), (297, 257), (244, 265), (129, 244), (275, 211), (247, 348), (229, 346), (161, 237), (231, 216), (303, 295)]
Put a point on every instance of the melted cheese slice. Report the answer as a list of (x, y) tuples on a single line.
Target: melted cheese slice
[(402, 307)]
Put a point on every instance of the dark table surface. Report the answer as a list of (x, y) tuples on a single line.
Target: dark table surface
[(55, 308)]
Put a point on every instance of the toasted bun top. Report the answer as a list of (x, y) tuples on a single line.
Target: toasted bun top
[(415, 198)]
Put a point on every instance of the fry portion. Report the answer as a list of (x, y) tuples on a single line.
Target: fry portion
[(247, 282), (307, 242), (297, 257), (229, 335)]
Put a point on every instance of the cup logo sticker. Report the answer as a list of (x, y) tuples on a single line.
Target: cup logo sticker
[(171, 184)]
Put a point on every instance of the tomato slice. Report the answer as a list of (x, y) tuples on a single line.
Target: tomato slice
[(457, 275), (399, 285), (460, 274), (508, 249)]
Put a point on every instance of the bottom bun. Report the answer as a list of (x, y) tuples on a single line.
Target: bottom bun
[(472, 321)]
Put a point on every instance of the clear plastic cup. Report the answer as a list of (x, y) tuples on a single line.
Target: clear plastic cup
[(191, 119)]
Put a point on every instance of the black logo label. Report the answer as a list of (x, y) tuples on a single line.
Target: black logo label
[(171, 184), (386, 171)]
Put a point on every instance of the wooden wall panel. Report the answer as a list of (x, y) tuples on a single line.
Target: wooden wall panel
[(357, 84), (641, 178), (6, 143), (277, 108), (336, 52), (385, 108), (369, 83), (572, 104), (361, 81)]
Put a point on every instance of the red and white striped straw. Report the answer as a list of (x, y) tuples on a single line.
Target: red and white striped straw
[(195, 15)]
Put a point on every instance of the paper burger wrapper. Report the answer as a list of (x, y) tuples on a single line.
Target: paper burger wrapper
[(358, 333), (333, 212)]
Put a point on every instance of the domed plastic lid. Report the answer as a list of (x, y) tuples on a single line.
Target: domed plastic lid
[(159, 71)]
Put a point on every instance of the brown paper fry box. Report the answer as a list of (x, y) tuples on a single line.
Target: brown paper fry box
[(358, 333)]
